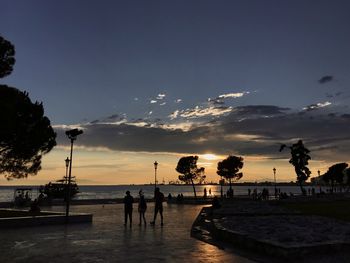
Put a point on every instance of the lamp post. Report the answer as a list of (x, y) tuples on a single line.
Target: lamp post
[(274, 178), (155, 174), (319, 179), (67, 161), (221, 189), (72, 135)]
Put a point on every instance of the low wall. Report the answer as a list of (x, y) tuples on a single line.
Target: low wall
[(54, 218)]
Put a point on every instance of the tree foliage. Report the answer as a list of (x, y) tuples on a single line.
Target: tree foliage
[(229, 168), (347, 177), (25, 134), (335, 174), (187, 167), (299, 159), (7, 57)]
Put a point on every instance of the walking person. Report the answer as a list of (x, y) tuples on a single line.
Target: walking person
[(128, 201), (142, 208), (158, 205)]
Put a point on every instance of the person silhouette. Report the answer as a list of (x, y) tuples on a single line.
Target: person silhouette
[(128, 201), (158, 205), (142, 207)]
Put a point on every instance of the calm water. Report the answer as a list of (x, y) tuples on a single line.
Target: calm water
[(118, 191)]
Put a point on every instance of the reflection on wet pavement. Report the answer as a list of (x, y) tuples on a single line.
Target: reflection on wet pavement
[(107, 240)]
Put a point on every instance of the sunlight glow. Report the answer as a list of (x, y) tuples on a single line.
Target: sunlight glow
[(209, 156)]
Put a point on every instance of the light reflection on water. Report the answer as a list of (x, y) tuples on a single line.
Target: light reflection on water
[(107, 240)]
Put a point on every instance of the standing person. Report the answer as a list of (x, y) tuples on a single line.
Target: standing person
[(158, 205), (142, 207), (128, 201), (205, 192)]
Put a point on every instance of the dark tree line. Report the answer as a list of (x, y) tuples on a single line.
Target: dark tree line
[(337, 175)]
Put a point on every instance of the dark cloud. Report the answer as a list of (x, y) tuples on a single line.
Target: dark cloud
[(339, 93), (258, 135), (216, 101), (325, 79), (261, 110), (113, 117)]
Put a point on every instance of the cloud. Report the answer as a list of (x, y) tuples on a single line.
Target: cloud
[(204, 111), (220, 99), (113, 117), (153, 101), (178, 100), (174, 114), (233, 95), (161, 96), (254, 135), (162, 104), (266, 110), (216, 101), (325, 79), (317, 106)]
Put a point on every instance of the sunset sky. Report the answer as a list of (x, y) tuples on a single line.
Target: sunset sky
[(157, 80)]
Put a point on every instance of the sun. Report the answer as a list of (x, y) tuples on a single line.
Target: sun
[(209, 156)]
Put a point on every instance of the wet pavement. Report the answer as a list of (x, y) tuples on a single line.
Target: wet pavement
[(107, 240)]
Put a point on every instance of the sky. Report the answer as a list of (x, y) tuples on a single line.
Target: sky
[(158, 80)]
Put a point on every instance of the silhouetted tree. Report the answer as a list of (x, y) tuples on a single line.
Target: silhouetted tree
[(187, 167), (7, 57), (347, 178), (335, 174), (300, 159), (25, 134), (229, 169)]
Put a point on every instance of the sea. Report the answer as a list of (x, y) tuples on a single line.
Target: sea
[(118, 191)]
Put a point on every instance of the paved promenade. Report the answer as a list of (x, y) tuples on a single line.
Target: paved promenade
[(107, 240), (273, 233)]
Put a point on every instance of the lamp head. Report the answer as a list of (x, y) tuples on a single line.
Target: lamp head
[(67, 161), (73, 134), (155, 165)]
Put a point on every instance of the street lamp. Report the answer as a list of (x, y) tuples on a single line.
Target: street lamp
[(155, 174), (67, 161), (72, 135), (274, 177)]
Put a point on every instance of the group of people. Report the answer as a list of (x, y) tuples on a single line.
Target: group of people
[(142, 207), (205, 192)]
